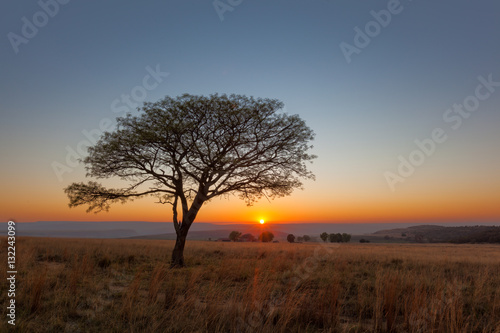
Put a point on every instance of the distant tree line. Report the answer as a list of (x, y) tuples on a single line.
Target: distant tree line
[(336, 238), (291, 238), (267, 236), (236, 236)]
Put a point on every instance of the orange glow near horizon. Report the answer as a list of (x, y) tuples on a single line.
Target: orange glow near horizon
[(315, 204), (287, 210)]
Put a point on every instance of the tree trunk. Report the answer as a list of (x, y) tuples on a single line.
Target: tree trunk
[(178, 253), (182, 229)]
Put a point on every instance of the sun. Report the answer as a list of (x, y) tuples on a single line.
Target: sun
[(262, 221)]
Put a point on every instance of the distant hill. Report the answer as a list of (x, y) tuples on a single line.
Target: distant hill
[(441, 234), (392, 232), (210, 235)]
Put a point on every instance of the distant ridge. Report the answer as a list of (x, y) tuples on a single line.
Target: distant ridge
[(149, 230), (442, 234)]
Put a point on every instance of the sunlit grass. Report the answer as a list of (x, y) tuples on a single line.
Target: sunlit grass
[(126, 285)]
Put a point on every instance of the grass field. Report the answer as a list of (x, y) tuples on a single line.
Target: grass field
[(79, 285)]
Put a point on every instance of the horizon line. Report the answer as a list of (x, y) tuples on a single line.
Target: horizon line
[(403, 221)]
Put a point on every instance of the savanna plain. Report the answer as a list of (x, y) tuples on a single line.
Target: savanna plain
[(82, 285)]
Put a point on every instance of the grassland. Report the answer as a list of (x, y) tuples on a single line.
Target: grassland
[(78, 285)]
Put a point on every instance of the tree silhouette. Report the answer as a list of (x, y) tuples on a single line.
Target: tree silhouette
[(346, 238), (333, 238), (247, 238), (290, 238), (190, 149), (324, 236), (234, 235), (266, 236)]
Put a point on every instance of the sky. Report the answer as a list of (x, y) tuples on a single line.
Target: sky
[(404, 98)]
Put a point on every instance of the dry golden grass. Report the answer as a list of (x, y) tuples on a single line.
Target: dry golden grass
[(78, 285)]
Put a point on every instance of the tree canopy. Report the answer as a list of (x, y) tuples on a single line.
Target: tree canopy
[(266, 236), (190, 149), (234, 235)]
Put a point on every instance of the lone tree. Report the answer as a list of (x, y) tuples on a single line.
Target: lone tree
[(234, 235), (334, 238), (324, 236), (248, 238), (290, 238), (190, 149), (346, 238), (266, 237)]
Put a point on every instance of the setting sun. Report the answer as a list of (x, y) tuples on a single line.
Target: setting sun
[(261, 221)]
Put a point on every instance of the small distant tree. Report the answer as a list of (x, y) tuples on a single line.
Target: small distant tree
[(234, 235), (247, 238), (362, 240), (306, 238), (346, 238), (324, 236), (300, 239), (339, 237), (266, 236), (332, 238), (290, 238)]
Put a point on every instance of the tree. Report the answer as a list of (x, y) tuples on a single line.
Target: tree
[(346, 238), (332, 238), (324, 236), (306, 238), (234, 235), (290, 238), (266, 236), (247, 238), (300, 239), (190, 149)]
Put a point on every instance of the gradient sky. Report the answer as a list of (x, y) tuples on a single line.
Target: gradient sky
[(65, 77)]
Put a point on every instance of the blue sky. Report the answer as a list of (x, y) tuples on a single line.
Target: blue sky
[(365, 113)]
